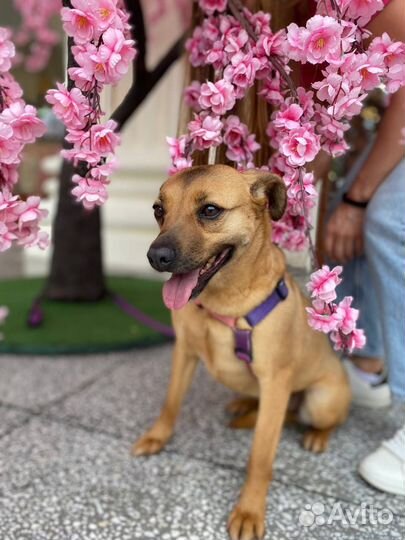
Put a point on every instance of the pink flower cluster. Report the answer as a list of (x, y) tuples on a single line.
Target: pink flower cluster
[(19, 221), (222, 43), (337, 319), (19, 125), (35, 32), (103, 54)]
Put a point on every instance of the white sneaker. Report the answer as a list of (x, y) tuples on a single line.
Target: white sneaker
[(365, 393), (385, 468)]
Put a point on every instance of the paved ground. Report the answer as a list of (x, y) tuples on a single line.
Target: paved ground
[(66, 427)]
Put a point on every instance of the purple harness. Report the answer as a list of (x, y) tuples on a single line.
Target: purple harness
[(243, 338)]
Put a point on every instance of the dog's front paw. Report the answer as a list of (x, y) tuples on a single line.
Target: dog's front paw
[(148, 444), (245, 524)]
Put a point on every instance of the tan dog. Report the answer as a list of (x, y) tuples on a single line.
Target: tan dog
[(214, 238)]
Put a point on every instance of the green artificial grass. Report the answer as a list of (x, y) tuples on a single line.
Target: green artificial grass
[(80, 327)]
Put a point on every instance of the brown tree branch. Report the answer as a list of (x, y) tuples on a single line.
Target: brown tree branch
[(143, 80)]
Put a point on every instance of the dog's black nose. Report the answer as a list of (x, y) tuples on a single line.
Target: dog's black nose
[(161, 258)]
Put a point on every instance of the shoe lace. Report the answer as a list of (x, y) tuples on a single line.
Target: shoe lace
[(397, 443)]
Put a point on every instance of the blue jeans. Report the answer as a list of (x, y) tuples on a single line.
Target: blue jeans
[(376, 280)]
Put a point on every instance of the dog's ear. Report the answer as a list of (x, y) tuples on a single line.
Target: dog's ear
[(268, 189)]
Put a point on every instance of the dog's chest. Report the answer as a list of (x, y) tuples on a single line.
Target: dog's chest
[(215, 346)]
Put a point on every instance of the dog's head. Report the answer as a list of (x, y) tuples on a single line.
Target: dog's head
[(208, 217)]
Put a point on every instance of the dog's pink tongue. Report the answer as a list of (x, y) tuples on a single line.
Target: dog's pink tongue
[(177, 290)]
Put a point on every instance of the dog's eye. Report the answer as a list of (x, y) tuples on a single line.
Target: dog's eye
[(159, 212), (210, 211)]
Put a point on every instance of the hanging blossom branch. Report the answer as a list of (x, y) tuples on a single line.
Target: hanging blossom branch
[(35, 33), (19, 125), (98, 31), (242, 50)]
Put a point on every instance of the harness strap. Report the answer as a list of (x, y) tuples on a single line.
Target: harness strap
[(243, 337)]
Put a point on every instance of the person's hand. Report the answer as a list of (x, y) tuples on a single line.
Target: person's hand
[(344, 233)]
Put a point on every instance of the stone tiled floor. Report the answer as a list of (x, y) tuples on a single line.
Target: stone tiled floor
[(66, 428)]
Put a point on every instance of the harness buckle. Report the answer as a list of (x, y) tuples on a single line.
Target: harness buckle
[(282, 289), (243, 345)]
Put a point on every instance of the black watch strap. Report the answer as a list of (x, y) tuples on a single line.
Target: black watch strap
[(357, 204)]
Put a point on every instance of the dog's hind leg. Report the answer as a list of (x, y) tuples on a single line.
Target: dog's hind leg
[(246, 421), (316, 440), (325, 406), (242, 405)]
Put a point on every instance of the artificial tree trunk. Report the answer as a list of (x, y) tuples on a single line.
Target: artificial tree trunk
[(76, 271)]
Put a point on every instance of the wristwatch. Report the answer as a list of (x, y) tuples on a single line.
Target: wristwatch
[(352, 202)]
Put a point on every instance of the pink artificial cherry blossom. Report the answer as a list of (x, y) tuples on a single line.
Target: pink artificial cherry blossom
[(302, 194), (241, 72), (191, 96), (218, 97), (29, 212), (234, 40), (205, 131), (241, 145), (289, 117), (79, 23), (210, 6), (9, 146), (350, 342), (296, 41), (300, 145), (104, 139), (70, 106), (106, 15), (177, 149), (363, 10), (24, 122), (6, 237), (323, 283), (89, 192), (7, 50), (322, 318), (271, 90), (323, 39), (347, 315), (113, 57)]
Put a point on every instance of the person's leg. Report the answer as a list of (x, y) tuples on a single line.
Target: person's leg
[(385, 251), (385, 248)]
